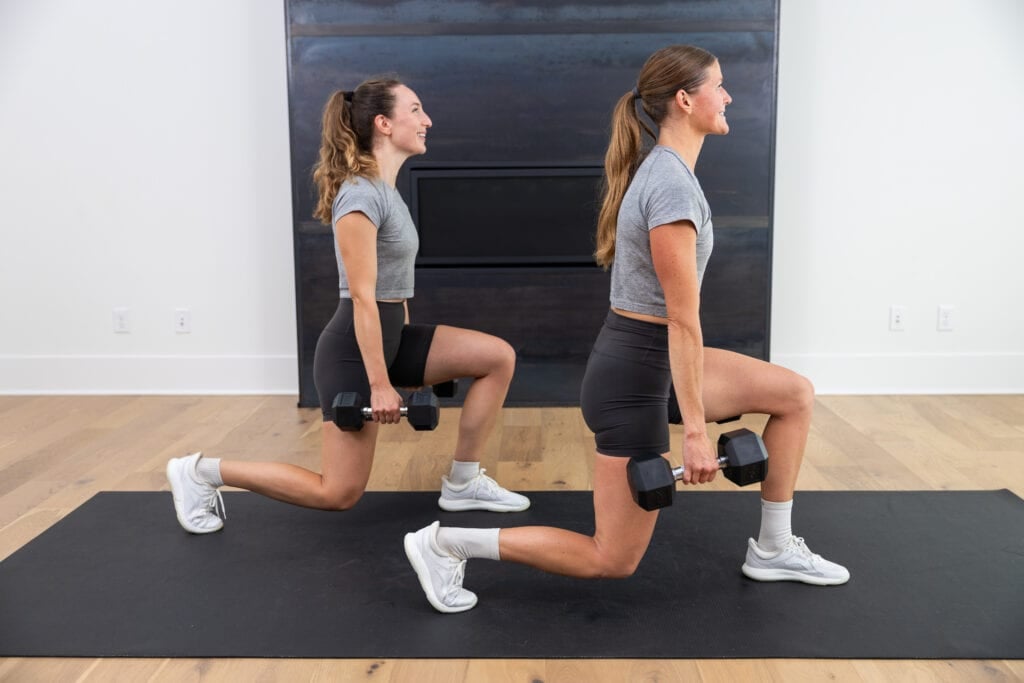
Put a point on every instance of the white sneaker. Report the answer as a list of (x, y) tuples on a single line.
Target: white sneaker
[(440, 574), (795, 562), (195, 502), (480, 493)]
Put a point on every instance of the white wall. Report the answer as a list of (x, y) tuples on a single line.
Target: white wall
[(899, 180), (144, 164)]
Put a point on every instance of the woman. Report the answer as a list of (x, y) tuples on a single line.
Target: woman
[(655, 233), (369, 346)]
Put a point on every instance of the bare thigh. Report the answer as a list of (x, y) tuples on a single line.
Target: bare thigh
[(458, 352), (735, 384)]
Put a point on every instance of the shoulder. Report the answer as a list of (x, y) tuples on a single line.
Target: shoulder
[(664, 161), (361, 186), (360, 192), (664, 171)]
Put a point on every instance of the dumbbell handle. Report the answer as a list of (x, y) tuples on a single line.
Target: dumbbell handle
[(677, 472), (368, 412)]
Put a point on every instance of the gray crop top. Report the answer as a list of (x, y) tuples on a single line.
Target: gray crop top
[(397, 239), (663, 190)]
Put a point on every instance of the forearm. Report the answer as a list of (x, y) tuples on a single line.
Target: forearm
[(370, 338), (686, 359)]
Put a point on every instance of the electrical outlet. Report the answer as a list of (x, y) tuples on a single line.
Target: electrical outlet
[(897, 318), (122, 320), (182, 321), (945, 319)]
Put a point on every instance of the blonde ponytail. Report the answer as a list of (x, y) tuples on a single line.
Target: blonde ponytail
[(620, 163)]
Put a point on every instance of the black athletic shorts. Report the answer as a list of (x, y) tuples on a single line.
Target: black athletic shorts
[(338, 364), (624, 395)]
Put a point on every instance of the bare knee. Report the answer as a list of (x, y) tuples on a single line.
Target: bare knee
[(341, 499), (621, 565), (802, 394), (503, 358)]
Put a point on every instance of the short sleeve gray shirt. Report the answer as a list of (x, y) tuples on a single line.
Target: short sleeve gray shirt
[(397, 239), (663, 190)]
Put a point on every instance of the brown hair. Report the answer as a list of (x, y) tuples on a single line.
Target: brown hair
[(346, 138), (666, 72)]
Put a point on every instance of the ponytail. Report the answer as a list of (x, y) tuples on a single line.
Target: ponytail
[(620, 163)]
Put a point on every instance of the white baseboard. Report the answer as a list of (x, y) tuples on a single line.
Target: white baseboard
[(912, 373), (30, 375)]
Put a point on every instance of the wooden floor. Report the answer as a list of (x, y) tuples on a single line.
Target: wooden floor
[(56, 452)]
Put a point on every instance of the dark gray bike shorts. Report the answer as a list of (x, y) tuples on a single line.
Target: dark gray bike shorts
[(624, 394)]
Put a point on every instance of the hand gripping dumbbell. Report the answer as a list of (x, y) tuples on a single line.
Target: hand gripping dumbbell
[(421, 409), (741, 457)]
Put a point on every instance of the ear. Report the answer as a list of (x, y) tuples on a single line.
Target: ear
[(382, 124), (683, 101)]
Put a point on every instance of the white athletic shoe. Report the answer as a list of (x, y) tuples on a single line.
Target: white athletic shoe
[(795, 562), (440, 574), (196, 503), (480, 493)]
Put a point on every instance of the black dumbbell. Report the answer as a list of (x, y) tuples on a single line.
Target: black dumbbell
[(421, 409), (741, 457)]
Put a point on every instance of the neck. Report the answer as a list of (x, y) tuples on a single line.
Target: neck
[(389, 162), (686, 143)]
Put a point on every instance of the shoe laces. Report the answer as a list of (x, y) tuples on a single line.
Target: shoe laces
[(486, 484), (800, 548), (457, 577), (213, 502), (454, 579)]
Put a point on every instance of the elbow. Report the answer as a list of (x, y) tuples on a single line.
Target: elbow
[(362, 296), (685, 327)]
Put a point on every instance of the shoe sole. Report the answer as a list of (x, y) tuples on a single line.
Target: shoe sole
[(423, 574), (173, 474), (789, 575), (466, 505)]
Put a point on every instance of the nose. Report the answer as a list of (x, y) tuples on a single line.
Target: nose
[(426, 120), (728, 97)]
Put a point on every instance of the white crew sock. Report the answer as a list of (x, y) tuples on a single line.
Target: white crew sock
[(463, 544), (776, 525), (462, 472), (208, 471)]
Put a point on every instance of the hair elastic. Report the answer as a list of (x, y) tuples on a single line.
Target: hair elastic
[(348, 95), (636, 92)]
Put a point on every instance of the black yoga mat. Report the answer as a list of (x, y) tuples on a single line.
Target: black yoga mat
[(935, 575)]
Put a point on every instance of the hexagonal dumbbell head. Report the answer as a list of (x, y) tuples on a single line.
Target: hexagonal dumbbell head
[(651, 482), (423, 411), (746, 457), (348, 411)]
